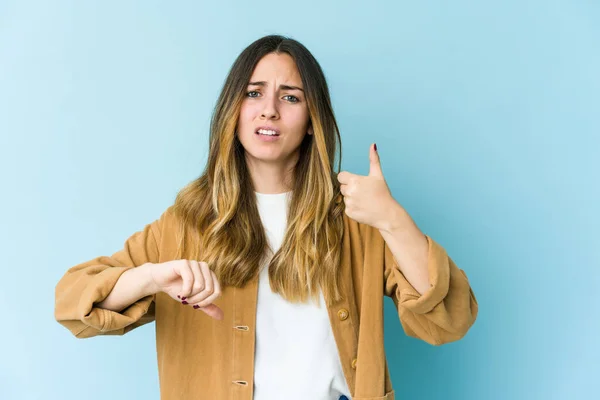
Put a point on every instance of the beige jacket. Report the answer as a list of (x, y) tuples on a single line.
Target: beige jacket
[(203, 358)]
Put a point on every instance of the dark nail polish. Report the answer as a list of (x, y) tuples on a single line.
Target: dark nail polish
[(196, 306), (184, 302), (178, 297), (183, 298), (375, 146)]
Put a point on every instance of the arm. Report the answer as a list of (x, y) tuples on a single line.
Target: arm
[(434, 299), (133, 284), (409, 246), (82, 301)]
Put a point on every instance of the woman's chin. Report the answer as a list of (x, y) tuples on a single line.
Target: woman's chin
[(265, 155)]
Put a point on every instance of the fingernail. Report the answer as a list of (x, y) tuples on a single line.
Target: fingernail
[(178, 297), (183, 298), (184, 302), (375, 146), (196, 306)]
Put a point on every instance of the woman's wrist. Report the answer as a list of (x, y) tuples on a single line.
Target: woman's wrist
[(148, 287)]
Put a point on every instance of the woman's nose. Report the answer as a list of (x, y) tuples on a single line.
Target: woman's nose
[(270, 108)]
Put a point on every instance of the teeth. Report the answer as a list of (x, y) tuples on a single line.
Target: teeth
[(267, 132)]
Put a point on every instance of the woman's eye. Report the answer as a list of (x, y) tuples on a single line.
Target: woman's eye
[(293, 99)]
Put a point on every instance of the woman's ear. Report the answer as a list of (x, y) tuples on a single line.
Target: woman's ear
[(310, 128)]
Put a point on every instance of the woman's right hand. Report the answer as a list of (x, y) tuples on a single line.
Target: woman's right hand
[(190, 282)]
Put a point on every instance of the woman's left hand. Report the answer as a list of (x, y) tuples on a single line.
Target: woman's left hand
[(367, 198)]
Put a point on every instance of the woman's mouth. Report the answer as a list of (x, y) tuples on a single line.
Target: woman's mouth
[(267, 135), (267, 132)]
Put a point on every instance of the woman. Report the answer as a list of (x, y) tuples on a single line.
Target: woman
[(287, 260)]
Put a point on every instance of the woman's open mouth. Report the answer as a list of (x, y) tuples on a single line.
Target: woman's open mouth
[(267, 135)]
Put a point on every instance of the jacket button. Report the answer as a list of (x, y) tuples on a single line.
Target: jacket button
[(354, 364), (343, 314)]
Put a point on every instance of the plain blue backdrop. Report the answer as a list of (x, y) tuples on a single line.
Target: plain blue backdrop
[(486, 116)]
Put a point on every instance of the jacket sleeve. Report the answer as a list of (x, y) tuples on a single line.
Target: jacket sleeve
[(88, 283), (446, 311)]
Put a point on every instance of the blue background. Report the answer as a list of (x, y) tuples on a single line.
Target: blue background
[(486, 115)]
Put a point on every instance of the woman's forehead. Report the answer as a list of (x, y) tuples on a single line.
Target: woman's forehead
[(277, 67)]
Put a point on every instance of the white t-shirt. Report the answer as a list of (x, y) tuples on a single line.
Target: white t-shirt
[(296, 356)]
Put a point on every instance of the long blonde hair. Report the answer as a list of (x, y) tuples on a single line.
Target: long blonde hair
[(219, 208)]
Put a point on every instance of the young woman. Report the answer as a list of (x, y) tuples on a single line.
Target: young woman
[(266, 276)]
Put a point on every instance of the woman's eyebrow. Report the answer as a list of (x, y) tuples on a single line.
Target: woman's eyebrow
[(283, 87)]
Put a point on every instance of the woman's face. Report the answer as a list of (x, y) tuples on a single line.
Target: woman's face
[(274, 104)]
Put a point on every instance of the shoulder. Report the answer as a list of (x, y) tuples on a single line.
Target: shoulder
[(167, 224)]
